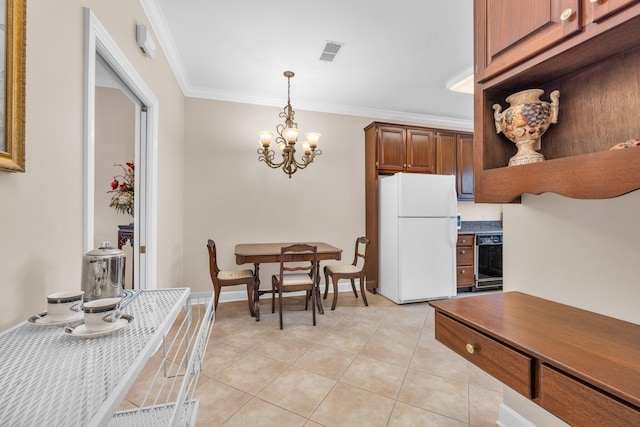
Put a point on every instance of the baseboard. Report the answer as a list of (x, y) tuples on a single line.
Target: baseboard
[(507, 417), (242, 295)]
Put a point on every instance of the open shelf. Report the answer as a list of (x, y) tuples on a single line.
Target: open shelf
[(599, 83)]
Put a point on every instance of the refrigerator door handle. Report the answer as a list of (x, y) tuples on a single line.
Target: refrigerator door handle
[(453, 235)]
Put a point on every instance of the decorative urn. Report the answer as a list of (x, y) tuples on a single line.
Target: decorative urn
[(525, 121)]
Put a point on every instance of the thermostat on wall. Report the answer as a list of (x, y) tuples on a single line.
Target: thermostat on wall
[(144, 41)]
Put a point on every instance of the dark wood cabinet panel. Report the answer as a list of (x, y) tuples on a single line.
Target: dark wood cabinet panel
[(601, 9), (402, 149), (580, 405), (465, 256), (514, 30), (465, 276), (446, 149), (421, 148), (392, 149), (511, 367), (464, 167)]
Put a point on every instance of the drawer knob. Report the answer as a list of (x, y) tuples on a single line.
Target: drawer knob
[(470, 348), (593, 1), (463, 252), (462, 271), (566, 14)]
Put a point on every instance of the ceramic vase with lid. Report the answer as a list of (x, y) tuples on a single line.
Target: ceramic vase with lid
[(525, 121)]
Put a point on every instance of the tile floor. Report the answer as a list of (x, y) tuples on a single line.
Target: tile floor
[(360, 366)]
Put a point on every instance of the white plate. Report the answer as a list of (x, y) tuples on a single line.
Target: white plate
[(81, 331), (43, 320)]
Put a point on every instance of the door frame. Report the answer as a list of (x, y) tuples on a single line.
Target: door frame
[(98, 41)]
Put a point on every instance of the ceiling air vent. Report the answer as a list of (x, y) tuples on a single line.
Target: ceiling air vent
[(330, 51)]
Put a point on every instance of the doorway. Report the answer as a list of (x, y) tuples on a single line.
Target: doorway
[(135, 144), (115, 143)]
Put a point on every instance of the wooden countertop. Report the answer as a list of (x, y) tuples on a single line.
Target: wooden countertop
[(597, 349)]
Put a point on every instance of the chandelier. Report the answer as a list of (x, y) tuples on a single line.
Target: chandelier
[(286, 140)]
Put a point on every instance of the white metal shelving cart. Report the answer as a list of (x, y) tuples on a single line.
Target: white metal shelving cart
[(48, 377)]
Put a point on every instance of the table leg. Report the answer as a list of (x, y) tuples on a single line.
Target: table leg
[(256, 292)]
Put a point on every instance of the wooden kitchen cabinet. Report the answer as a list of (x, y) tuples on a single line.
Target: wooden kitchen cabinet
[(511, 31), (595, 69), (465, 261), (464, 166), (565, 359), (455, 157), (392, 148), (446, 153), (597, 10), (406, 149)]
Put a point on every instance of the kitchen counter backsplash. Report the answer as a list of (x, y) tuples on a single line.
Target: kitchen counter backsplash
[(480, 226)]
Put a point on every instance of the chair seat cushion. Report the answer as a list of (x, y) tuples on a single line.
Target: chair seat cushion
[(297, 279), (343, 269), (234, 275)]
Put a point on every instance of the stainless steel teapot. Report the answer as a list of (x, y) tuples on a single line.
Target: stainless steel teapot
[(103, 272)]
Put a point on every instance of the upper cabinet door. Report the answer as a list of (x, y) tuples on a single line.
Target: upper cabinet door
[(392, 149), (464, 169), (512, 31), (421, 148), (600, 9)]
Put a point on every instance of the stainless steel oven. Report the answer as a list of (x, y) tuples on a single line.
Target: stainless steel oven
[(488, 260)]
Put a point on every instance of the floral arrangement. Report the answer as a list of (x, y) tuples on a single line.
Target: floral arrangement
[(123, 188)]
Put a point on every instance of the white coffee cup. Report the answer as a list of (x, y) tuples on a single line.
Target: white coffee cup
[(63, 306), (101, 314)]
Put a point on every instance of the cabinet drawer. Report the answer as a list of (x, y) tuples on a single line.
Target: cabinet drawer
[(581, 405), (465, 240), (464, 276), (507, 365), (464, 255)]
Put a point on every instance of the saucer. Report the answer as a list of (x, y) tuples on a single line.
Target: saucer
[(43, 320), (80, 330)]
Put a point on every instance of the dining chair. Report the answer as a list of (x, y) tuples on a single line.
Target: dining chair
[(296, 275), (355, 270), (222, 278)]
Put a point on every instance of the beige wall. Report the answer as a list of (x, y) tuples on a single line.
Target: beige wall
[(578, 252), (470, 211), (233, 198), (41, 216)]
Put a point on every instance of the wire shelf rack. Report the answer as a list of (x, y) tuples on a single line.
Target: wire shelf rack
[(48, 377)]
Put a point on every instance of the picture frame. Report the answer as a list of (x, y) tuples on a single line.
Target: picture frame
[(12, 87)]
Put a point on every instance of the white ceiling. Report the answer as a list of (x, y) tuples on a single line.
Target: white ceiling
[(397, 58)]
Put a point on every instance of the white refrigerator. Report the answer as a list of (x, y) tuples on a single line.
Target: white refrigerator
[(417, 237)]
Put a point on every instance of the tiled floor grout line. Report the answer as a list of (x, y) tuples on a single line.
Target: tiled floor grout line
[(385, 319), (337, 381)]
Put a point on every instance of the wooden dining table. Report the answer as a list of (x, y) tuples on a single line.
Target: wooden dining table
[(257, 253)]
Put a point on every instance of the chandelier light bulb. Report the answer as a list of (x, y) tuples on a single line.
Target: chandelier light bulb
[(313, 138), (306, 147), (291, 134), (265, 138)]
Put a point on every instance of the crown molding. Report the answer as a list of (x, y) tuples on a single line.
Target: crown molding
[(377, 114), (161, 30)]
